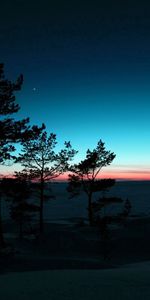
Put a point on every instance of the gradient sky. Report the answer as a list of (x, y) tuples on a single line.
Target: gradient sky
[(86, 68)]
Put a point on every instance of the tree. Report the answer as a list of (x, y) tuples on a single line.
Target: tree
[(85, 173), (11, 130), (42, 163), (18, 191)]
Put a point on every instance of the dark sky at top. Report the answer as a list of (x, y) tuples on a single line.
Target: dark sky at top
[(62, 34), (86, 67)]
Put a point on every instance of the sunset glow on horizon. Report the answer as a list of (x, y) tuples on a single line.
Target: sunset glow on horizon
[(125, 175), (131, 175)]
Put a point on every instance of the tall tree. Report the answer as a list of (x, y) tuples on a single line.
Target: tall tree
[(85, 175), (11, 130), (42, 163)]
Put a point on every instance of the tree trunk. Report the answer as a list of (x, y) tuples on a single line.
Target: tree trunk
[(20, 230), (90, 210), (41, 205), (2, 243)]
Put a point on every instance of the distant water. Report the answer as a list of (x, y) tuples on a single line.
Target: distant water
[(138, 192)]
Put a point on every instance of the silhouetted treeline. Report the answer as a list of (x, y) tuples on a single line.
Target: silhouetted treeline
[(41, 162)]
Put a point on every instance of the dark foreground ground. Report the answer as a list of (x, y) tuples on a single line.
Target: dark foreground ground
[(73, 246)]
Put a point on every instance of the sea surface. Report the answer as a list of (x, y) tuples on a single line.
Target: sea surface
[(63, 208)]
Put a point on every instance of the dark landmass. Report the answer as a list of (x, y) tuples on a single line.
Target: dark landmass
[(76, 246)]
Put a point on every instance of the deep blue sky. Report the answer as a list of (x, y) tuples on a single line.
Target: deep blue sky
[(86, 68)]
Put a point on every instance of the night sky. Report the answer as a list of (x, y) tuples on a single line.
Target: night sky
[(86, 68)]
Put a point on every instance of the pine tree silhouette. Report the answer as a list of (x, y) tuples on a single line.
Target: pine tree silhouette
[(42, 163), (84, 175)]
